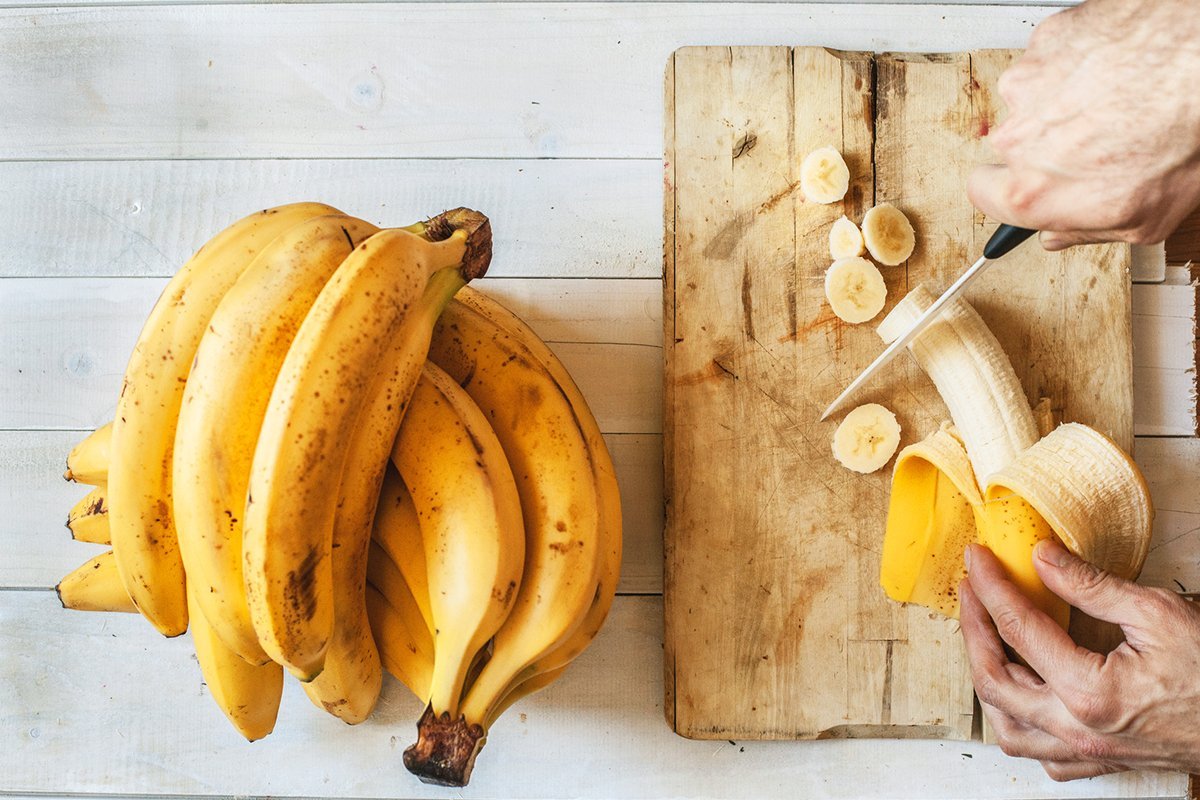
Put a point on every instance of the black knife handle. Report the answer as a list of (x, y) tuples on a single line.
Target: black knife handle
[(1004, 240)]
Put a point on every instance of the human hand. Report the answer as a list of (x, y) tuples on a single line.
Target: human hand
[(1079, 712), (1102, 141)]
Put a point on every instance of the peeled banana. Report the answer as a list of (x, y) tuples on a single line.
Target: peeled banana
[(988, 479), (824, 176), (845, 239), (867, 438), (855, 289), (888, 234)]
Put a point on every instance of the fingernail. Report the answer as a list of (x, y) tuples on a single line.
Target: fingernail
[(967, 558), (1050, 551)]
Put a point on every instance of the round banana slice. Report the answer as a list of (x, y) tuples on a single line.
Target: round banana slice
[(845, 239), (824, 176), (867, 438), (888, 234), (855, 289)]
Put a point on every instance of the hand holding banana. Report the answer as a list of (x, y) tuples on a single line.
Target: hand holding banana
[(338, 504)]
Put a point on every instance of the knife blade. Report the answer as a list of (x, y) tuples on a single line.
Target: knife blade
[(1001, 243)]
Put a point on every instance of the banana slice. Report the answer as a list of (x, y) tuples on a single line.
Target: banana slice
[(855, 289), (867, 438), (888, 234), (845, 239), (824, 176)]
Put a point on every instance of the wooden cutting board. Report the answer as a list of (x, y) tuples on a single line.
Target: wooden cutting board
[(775, 623)]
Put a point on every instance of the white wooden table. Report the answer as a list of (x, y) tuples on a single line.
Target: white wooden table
[(130, 131)]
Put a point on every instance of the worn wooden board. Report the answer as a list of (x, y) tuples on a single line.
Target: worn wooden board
[(775, 625)]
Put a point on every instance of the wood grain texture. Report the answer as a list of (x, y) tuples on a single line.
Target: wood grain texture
[(553, 218), (376, 80), (755, 502), (100, 704)]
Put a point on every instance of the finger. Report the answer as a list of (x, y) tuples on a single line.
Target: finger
[(1074, 770), (1010, 688), (1046, 647), (1025, 741), (1054, 241), (991, 188), (1097, 593)]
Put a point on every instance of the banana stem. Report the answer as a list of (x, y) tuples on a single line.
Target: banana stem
[(478, 230), (445, 751)]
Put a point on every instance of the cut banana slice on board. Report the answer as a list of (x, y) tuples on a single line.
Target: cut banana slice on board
[(845, 239), (824, 176), (888, 234), (867, 438), (855, 289)]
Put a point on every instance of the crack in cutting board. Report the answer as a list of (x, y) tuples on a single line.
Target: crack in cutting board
[(775, 624)]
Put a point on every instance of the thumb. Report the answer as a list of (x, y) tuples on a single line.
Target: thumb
[(1087, 587)]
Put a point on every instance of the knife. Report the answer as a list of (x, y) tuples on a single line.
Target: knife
[(1002, 242)]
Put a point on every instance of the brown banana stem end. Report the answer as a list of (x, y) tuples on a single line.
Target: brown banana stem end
[(479, 238), (445, 750)]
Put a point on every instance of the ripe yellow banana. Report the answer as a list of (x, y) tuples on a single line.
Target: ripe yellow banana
[(554, 466), (223, 406), (88, 519), (95, 586), (248, 694), (405, 644), (349, 685), (470, 519), (143, 433), (88, 461), (324, 383), (522, 690), (533, 677), (398, 532)]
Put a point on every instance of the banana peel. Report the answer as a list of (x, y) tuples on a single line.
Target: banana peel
[(1075, 484)]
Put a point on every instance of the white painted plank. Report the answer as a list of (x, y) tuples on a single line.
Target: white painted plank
[(65, 343), (36, 548), (100, 703), (412, 79), (565, 218), (1172, 470)]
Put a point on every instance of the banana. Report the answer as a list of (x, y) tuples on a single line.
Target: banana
[(973, 376), (88, 461), (95, 586), (845, 239), (397, 646), (223, 406), (323, 384), (139, 478), (398, 532), (88, 519), (523, 690), (470, 518), (556, 477), (554, 662), (855, 289), (990, 480), (248, 694), (888, 234), (867, 438), (824, 176)]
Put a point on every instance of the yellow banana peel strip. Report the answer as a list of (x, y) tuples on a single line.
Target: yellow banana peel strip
[(1074, 484)]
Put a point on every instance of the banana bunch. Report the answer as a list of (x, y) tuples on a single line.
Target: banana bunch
[(323, 464)]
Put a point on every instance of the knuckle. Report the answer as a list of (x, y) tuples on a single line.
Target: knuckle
[(987, 688), (1094, 709), (1091, 747), (1055, 771), (1006, 744), (1010, 624), (1025, 192)]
